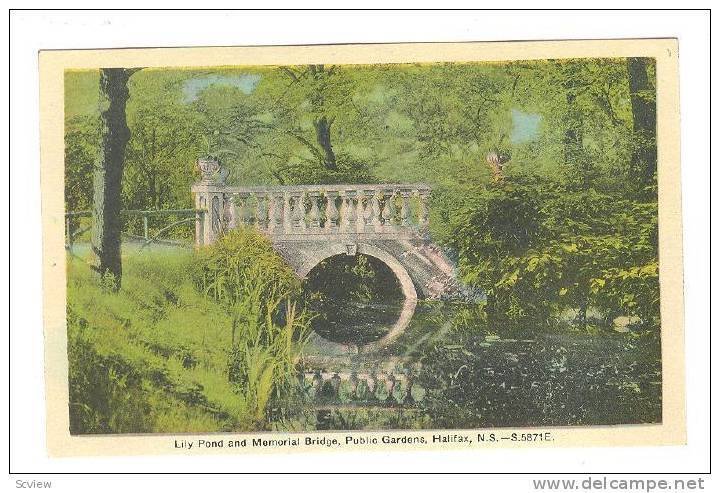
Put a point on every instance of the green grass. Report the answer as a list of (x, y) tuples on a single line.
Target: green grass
[(156, 356), (81, 93)]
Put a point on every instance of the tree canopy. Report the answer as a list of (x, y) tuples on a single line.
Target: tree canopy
[(566, 205)]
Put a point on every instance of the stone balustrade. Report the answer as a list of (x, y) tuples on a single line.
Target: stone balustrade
[(384, 387), (380, 211)]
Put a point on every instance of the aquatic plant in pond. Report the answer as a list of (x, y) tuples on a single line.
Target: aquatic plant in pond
[(495, 377)]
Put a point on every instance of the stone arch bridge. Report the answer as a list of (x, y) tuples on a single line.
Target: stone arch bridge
[(310, 223)]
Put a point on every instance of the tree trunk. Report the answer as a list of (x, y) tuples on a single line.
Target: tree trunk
[(491, 311), (582, 314), (107, 176), (644, 119), (573, 140), (322, 134)]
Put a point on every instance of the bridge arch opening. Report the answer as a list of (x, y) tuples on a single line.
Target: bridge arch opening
[(365, 297)]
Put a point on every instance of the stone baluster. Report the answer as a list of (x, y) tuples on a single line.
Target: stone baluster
[(354, 382), (261, 210), (237, 201), (380, 379), (348, 213), (317, 382), (375, 217), (287, 212), (405, 207), (422, 208), (390, 382), (331, 212), (396, 211), (388, 211), (276, 212), (250, 216), (371, 382), (244, 213), (230, 215), (368, 209), (342, 211), (360, 211), (298, 211), (314, 215), (335, 382)]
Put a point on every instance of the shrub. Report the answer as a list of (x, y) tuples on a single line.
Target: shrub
[(243, 273), (159, 354), (538, 248), (242, 268)]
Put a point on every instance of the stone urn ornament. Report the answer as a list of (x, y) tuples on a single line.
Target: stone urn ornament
[(212, 170)]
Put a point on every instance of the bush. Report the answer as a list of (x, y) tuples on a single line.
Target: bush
[(243, 273), (159, 355), (539, 248), (241, 268)]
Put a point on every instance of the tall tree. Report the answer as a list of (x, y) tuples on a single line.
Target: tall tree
[(107, 174), (322, 136), (642, 98), (573, 141), (327, 93), (320, 78), (166, 138)]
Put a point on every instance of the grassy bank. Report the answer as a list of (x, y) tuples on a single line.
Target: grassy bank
[(169, 352)]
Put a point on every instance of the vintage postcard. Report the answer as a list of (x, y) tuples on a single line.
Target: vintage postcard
[(406, 246)]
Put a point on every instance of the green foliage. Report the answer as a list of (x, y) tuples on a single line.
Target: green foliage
[(139, 356), (240, 263), (81, 93), (539, 248), (568, 233), (427, 122), (82, 135), (242, 272), (116, 404), (349, 170), (158, 355), (164, 143)]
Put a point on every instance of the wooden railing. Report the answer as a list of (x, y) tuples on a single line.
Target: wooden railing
[(187, 215)]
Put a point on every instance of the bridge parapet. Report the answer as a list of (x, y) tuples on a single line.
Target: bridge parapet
[(309, 212)]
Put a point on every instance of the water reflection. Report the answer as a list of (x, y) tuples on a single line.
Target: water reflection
[(355, 322), (479, 375), (357, 300)]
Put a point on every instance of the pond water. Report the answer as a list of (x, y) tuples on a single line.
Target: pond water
[(354, 322), (473, 375)]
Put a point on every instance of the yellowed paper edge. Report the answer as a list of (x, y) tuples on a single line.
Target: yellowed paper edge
[(672, 430)]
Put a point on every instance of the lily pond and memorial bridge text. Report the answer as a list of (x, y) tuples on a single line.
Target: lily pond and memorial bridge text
[(338, 440)]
